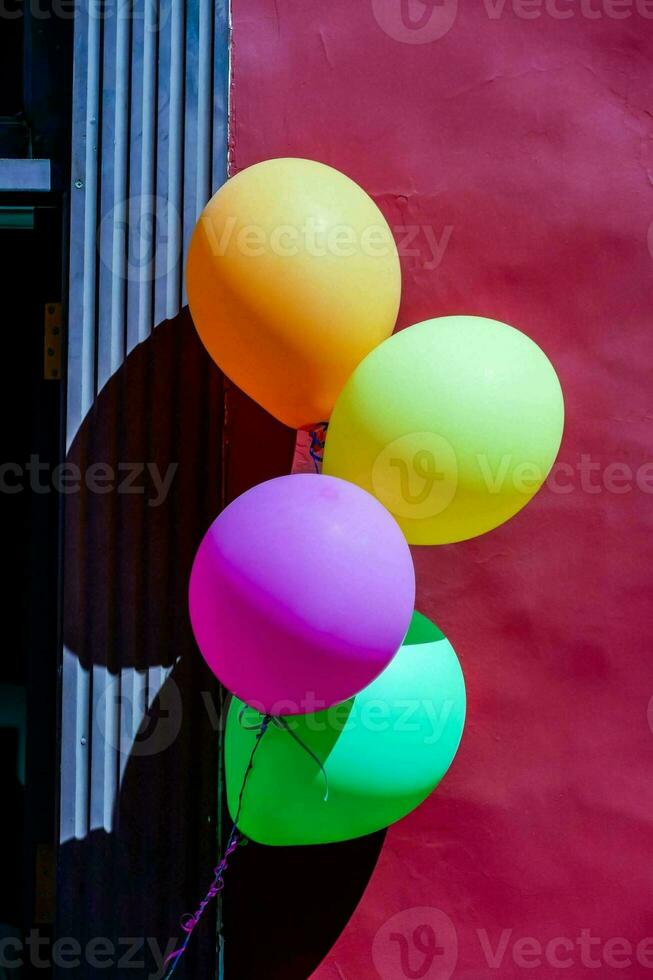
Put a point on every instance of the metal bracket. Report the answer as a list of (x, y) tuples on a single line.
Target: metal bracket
[(52, 342)]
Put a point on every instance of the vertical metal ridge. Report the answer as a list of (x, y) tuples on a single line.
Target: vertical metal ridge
[(89, 297), (121, 184), (77, 225), (205, 46), (112, 701), (136, 123), (176, 157), (147, 216), (222, 81), (84, 693), (107, 203)]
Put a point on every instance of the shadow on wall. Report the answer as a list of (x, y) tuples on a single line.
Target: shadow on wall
[(154, 458)]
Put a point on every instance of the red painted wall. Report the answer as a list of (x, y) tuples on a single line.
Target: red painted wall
[(518, 139)]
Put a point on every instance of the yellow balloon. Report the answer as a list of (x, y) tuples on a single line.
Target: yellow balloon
[(453, 424), (292, 278)]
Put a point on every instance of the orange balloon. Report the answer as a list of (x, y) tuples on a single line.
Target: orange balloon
[(292, 278)]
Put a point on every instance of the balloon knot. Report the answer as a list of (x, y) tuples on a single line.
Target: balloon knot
[(318, 440)]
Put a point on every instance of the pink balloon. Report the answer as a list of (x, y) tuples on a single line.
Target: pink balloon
[(301, 593)]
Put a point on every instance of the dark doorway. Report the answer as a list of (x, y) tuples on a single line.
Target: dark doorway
[(31, 406)]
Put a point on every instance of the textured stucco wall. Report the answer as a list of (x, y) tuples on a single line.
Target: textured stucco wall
[(516, 140)]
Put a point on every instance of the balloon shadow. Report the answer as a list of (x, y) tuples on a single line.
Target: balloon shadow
[(152, 462)]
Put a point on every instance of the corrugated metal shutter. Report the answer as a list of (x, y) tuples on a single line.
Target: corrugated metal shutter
[(149, 147)]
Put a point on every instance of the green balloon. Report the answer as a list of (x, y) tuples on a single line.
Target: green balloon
[(382, 752)]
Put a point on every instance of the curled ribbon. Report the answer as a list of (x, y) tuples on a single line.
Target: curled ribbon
[(191, 919)]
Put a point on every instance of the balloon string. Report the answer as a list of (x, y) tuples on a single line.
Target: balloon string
[(190, 920), (280, 722), (318, 439)]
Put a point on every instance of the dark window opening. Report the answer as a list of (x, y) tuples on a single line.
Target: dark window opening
[(30, 402), (11, 59)]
